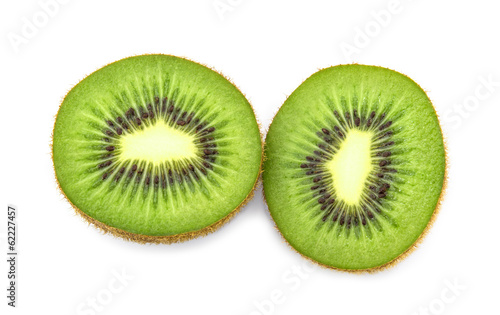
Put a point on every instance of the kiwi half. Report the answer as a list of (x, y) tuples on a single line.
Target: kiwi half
[(355, 167), (156, 148)]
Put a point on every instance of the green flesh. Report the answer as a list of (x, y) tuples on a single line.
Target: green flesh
[(369, 208), (156, 202)]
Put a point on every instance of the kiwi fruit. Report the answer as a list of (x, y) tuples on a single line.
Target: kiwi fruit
[(156, 149), (355, 167)]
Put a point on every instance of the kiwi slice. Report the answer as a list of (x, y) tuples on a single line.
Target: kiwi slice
[(156, 148), (355, 167)]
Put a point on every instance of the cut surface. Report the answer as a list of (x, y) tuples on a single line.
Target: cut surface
[(156, 146), (355, 166), (157, 143), (351, 166)]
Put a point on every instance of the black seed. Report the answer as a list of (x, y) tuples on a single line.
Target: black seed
[(122, 170), (125, 126), (321, 200), (342, 219), (191, 167), (382, 195), (336, 114), (335, 217), (386, 125), (107, 163), (109, 133), (104, 176), (110, 148), (383, 163), (357, 121), (317, 179), (314, 187), (382, 116), (150, 108), (204, 171), (310, 172), (336, 128), (341, 135), (147, 180), (380, 175), (372, 188), (363, 220), (303, 165), (331, 201), (145, 115), (370, 214), (325, 131), (110, 123), (323, 207), (388, 144), (386, 186), (372, 115), (151, 114), (386, 154), (181, 122), (373, 196), (387, 134), (369, 122), (134, 168), (138, 121), (140, 171), (157, 179), (119, 119), (131, 111), (190, 117), (119, 131), (208, 152), (328, 140), (211, 129), (207, 165), (309, 158), (318, 153), (105, 139), (203, 140)]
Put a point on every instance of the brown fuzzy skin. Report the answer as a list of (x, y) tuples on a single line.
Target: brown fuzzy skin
[(403, 255), (166, 239)]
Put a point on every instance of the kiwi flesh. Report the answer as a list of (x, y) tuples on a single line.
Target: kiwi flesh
[(355, 167), (156, 149)]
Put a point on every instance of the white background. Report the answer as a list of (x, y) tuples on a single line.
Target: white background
[(267, 48)]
